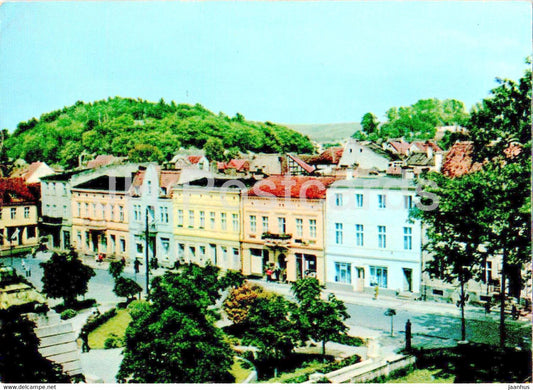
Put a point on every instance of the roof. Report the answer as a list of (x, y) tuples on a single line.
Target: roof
[(194, 159), (292, 187), (379, 150), (64, 176), (106, 183), (377, 182), (222, 182), (27, 172), (458, 160), (400, 146), (15, 190), (420, 159), (239, 164), (167, 178), (423, 146), (101, 160), (329, 156), (306, 167)]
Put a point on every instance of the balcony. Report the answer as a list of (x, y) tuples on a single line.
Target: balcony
[(278, 241)]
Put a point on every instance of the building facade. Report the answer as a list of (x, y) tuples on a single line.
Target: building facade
[(283, 219), (151, 192), (18, 215), (208, 221), (369, 238), (100, 216)]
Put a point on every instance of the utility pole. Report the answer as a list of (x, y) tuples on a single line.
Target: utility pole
[(147, 255)]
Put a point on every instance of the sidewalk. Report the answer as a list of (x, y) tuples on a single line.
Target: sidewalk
[(128, 269), (366, 299)]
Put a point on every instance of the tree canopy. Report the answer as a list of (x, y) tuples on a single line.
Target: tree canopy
[(65, 276), (119, 126), (172, 339)]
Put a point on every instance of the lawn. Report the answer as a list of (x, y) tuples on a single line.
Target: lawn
[(116, 325), (313, 366), (239, 372), (422, 376)]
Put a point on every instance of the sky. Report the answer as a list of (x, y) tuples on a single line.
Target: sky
[(286, 62)]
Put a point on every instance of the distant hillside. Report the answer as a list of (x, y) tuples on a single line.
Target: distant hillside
[(329, 132), (119, 125)]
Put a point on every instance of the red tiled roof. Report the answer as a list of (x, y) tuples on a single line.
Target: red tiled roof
[(101, 160), (328, 156), (423, 146), (459, 160), (14, 190), (292, 187), (306, 167), (194, 159), (168, 178), (239, 164), (401, 147), (221, 165)]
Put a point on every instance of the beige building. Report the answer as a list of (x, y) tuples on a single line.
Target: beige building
[(100, 216), (283, 226)]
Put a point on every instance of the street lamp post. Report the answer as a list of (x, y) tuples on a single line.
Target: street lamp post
[(147, 233), (391, 313)]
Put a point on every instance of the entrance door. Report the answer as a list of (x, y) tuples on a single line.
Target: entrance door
[(213, 254), (299, 265), (359, 278), (407, 279)]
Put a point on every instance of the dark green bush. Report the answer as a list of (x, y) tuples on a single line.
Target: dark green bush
[(68, 314)]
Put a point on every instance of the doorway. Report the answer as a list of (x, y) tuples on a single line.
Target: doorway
[(407, 279)]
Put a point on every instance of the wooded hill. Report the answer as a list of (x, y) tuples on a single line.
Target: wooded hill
[(118, 125)]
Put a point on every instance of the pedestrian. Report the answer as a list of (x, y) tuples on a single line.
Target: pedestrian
[(277, 272), (284, 275), (376, 291), (136, 265), (28, 271), (84, 336), (269, 274), (408, 335), (123, 261)]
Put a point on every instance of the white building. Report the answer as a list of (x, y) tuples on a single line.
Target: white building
[(151, 191), (369, 238)]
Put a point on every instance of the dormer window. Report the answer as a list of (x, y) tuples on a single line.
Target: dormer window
[(163, 190), (149, 187)]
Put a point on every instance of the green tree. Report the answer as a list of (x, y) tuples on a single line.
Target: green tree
[(116, 268), (369, 123), (214, 149), (270, 328), (145, 153), (126, 288), (20, 359), (172, 339), (65, 276), (316, 318)]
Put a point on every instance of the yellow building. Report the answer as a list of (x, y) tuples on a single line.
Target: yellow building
[(283, 227), (18, 215), (208, 221), (100, 216)]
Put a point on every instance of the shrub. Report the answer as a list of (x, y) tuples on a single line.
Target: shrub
[(95, 322), (68, 314), (113, 341)]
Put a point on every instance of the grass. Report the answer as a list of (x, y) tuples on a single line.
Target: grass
[(311, 368), (422, 376), (116, 325), (239, 372)]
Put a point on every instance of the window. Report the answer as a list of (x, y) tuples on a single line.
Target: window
[(343, 273), (55, 210), (13, 213), (408, 202), (86, 209), (64, 189), (78, 207), (282, 225), (378, 276), (407, 238), (223, 221), (121, 213), (101, 208), (265, 224), (163, 214), (224, 253), (27, 212), (299, 227), (312, 228), (202, 250), (212, 219), (382, 201), (112, 212), (79, 239), (338, 233), (122, 245), (359, 235), (487, 272), (94, 210), (202, 219), (180, 218), (149, 187), (191, 218), (64, 211), (338, 200), (30, 232), (235, 218), (359, 200), (382, 236), (165, 244), (253, 223)]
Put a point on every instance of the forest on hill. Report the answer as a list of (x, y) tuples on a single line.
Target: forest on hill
[(119, 126)]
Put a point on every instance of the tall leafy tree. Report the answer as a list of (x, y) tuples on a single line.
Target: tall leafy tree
[(20, 359), (214, 149), (321, 320), (369, 123), (65, 276), (172, 339)]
